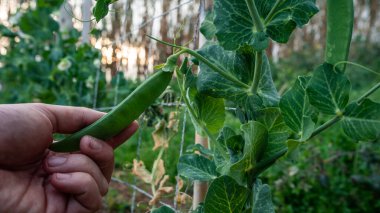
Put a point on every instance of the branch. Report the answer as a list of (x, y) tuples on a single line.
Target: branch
[(255, 15), (257, 72)]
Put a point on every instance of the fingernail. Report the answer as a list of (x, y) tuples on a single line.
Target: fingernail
[(63, 176), (95, 144), (56, 161)]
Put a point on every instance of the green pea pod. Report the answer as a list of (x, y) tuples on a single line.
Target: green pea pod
[(340, 20), (122, 115)]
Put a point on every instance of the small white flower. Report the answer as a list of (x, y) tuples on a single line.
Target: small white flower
[(90, 82), (38, 58), (15, 18), (75, 80), (64, 64), (293, 170), (96, 62)]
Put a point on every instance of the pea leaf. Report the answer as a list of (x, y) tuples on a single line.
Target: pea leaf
[(225, 195), (262, 198), (222, 156), (278, 133), (329, 90), (272, 119), (298, 114), (362, 121), (256, 142), (242, 67), (289, 15), (163, 209), (196, 167), (207, 27), (208, 112), (265, 142), (235, 28)]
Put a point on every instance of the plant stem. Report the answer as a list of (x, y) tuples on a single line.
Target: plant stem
[(255, 15), (272, 11), (367, 94), (214, 67), (257, 73), (325, 126)]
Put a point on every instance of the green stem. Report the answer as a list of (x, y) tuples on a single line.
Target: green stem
[(255, 15), (325, 126), (272, 11), (258, 70), (337, 118), (217, 69), (367, 94)]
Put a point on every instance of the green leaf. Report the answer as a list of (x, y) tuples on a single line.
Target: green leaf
[(196, 167), (256, 142), (101, 9), (221, 157), (242, 67), (267, 90), (298, 114), (206, 112), (210, 112), (235, 28), (39, 24), (225, 195), (262, 198), (329, 90), (235, 146), (163, 209), (208, 28), (278, 131), (199, 148), (362, 121), (289, 15)]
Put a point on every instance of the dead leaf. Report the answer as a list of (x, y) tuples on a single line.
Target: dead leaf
[(183, 198), (160, 172), (173, 121), (141, 172), (162, 190), (160, 136)]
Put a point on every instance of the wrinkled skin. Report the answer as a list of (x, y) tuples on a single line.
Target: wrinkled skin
[(34, 179)]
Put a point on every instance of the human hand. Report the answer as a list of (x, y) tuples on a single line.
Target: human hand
[(34, 179)]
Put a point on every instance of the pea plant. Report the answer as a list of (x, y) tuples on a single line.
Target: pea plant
[(235, 73)]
